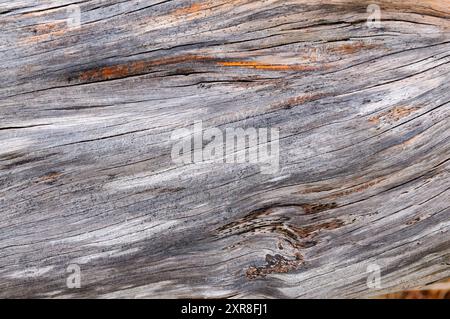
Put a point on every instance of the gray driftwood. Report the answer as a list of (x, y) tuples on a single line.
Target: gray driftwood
[(86, 176)]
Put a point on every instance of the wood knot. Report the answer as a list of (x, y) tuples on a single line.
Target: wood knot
[(275, 264)]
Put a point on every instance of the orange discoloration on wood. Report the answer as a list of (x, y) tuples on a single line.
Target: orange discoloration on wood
[(268, 67), (351, 48), (438, 290), (410, 141), (393, 115), (134, 68), (50, 177), (48, 27), (193, 8), (374, 120), (45, 32), (43, 37), (112, 72)]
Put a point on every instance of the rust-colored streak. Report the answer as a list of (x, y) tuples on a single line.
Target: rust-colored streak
[(439, 290), (113, 72), (351, 48), (268, 67), (393, 115), (134, 68), (45, 32), (194, 8), (50, 177), (117, 71), (409, 142), (48, 28), (142, 67), (274, 264)]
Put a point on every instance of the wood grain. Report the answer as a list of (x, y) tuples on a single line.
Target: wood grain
[(87, 178)]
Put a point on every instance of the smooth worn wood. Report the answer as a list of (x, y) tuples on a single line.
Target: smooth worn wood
[(86, 175)]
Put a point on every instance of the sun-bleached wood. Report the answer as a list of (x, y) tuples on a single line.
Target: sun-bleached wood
[(86, 175)]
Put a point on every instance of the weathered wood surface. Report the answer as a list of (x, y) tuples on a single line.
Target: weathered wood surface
[(86, 173)]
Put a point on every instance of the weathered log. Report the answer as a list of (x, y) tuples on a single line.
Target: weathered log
[(86, 117)]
